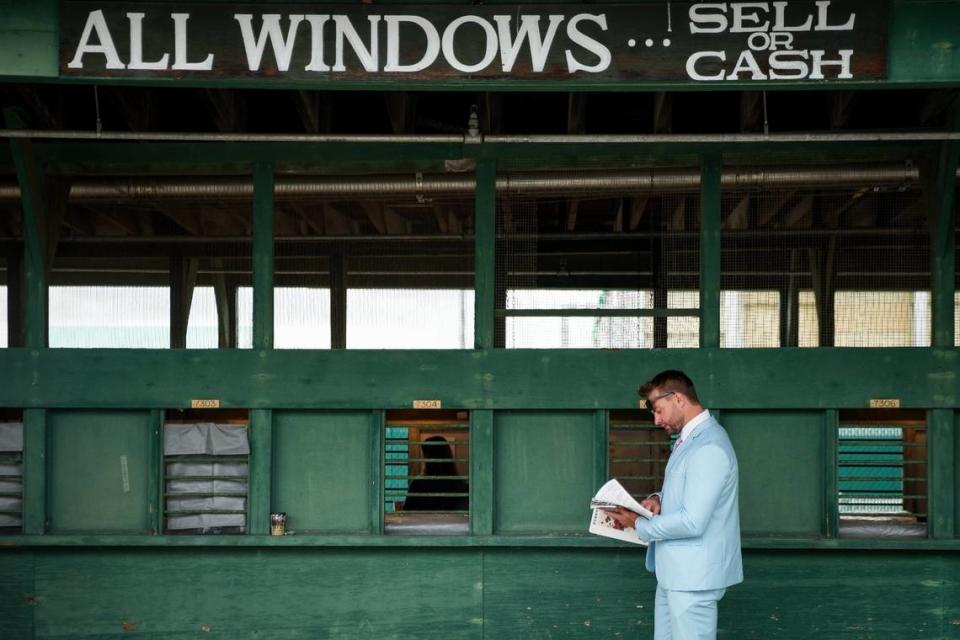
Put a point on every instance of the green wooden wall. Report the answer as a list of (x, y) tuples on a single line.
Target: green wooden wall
[(419, 594), (91, 565)]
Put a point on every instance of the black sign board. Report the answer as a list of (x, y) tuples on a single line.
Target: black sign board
[(699, 42)]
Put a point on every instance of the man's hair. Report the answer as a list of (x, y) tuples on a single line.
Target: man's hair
[(670, 381)]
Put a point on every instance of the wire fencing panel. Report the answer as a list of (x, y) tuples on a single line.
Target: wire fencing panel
[(581, 269), (815, 266)]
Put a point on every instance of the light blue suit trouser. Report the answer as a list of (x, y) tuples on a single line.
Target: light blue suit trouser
[(686, 615)]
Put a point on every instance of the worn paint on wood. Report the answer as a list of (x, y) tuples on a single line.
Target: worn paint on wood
[(466, 593), (781, 470), (321, 470), (543, 471), (99, 466), (500, 378)]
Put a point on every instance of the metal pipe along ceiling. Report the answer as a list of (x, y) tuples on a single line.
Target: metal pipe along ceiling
[(578, 182)]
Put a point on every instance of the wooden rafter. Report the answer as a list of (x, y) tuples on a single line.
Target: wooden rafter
[(770, 207), (739, 217), (638, 204)]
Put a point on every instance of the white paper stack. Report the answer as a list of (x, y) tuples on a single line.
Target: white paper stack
[(611, 496)]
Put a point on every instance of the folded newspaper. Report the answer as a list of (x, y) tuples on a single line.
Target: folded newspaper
[(609, 497)]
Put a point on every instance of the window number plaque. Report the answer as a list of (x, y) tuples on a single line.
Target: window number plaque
[(204, 403), (426, 404), (884, 403)]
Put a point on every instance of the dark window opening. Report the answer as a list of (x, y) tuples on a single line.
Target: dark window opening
[(11, 471), (427, 472), (882, 487), (638, 452)]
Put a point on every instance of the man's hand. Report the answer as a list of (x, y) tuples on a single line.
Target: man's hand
[(653, 504), (624, 517)]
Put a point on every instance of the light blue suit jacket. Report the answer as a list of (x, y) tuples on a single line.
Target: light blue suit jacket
[(694, 544)]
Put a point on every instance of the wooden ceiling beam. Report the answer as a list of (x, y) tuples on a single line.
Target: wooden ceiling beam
[(739, 217)]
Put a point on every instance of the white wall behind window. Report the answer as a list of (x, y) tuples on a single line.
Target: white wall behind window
[(110, 317), (410, 318), (578, 332), (301, 318), (202, 322)]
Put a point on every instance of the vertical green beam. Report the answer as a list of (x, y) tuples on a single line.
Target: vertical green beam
[(710, 170), (15, 282), (485, 217), (377, 470), (179, 309), (941, 483), (155, 474), (263, 255), (943, 254), (30, 179), (831, 509), (601, 447), (34, 471), (941, 448), (481, 472), (261, 463), (338, 300)]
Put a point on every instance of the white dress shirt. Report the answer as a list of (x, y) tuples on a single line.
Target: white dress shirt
[(695, 422)]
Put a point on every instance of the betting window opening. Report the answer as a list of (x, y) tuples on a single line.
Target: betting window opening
[(11, 471), (206, 472), (638, 452), (427, 472), (882, 485)]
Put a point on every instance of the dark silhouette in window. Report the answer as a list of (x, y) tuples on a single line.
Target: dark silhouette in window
[(439, 473)]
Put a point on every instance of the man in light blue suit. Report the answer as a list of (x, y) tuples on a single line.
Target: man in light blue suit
[(694, 540)]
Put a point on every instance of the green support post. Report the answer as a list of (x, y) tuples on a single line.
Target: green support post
[(711, 168), (601, 435), (263, 255), (481, 472), (30, 177), (941, 448), (261, 474), (34, 269), (34, 471), (338, 300), (377, 470), (156, 481), (485, 216), (831, 508), (942, 189)]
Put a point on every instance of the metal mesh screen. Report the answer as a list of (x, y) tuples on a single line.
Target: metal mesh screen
[(587, 270), (846, 266), (427, 473), (638, 453), (882, 487), (378, 271), (150, 270)]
